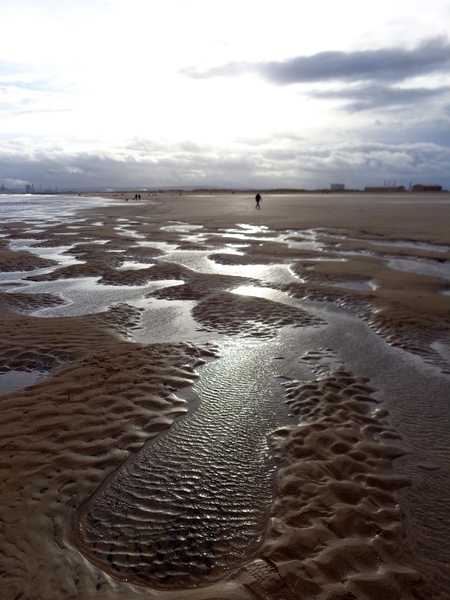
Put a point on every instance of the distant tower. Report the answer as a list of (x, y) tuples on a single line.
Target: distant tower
[(394, 183)]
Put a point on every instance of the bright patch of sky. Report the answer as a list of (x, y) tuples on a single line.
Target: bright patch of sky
[(139, 93)]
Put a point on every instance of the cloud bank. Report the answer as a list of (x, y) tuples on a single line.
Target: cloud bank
[(377, 97), (283, 162)]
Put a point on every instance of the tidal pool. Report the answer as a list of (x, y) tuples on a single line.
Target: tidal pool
[(16, 380), (194, 504)]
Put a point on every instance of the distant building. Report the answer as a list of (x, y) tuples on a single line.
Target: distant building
[(5, 190), (384, 190), (337, 187), (426, 188), (29, 188)]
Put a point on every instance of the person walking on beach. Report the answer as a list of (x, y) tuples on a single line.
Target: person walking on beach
[(258, 200)]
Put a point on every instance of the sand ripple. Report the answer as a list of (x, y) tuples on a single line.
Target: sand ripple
[(234, 314), (337, 517), (202, 286), (193, 504), (60, 340), (60, 439)]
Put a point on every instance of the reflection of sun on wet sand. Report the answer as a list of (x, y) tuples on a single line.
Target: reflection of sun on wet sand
[(361, 350)]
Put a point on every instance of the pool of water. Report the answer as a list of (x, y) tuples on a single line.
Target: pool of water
[(16, 380), (362, 286), (41, 208), (201, 492), (421, 267), (413, 245), (85, 295)]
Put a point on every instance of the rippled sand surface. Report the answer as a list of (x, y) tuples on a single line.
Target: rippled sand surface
[(193, 505), (222, 404)]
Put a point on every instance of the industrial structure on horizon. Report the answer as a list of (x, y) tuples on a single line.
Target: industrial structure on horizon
[(426, 188), (418, 187), (29, 189)]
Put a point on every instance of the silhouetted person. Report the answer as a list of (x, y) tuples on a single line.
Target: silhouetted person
[(258, 200)]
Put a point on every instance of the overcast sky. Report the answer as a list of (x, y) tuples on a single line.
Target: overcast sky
[(121, 94)]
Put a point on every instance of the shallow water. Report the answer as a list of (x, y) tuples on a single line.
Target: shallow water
[(181, 227), (85, 295), (421, 267), (413, 245), (43, 208), (16, 380), (361, 286), (194, 504)]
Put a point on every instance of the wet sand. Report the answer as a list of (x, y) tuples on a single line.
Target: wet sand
[(228, 402)]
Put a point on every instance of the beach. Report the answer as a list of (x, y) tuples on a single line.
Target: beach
[(202, 399)]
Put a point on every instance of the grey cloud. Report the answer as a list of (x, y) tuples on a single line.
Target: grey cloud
[(280, 154), (387, 64), (374, 96), (434, 129)]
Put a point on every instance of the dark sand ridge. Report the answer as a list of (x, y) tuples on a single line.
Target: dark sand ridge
[(336, 518), (22, 261)]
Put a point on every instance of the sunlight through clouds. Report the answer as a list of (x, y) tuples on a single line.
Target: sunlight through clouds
[(306, 79)]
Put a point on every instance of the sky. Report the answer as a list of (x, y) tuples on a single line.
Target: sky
[(127, 94)]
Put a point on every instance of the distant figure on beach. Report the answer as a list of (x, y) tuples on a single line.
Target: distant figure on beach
[(258, 200)]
